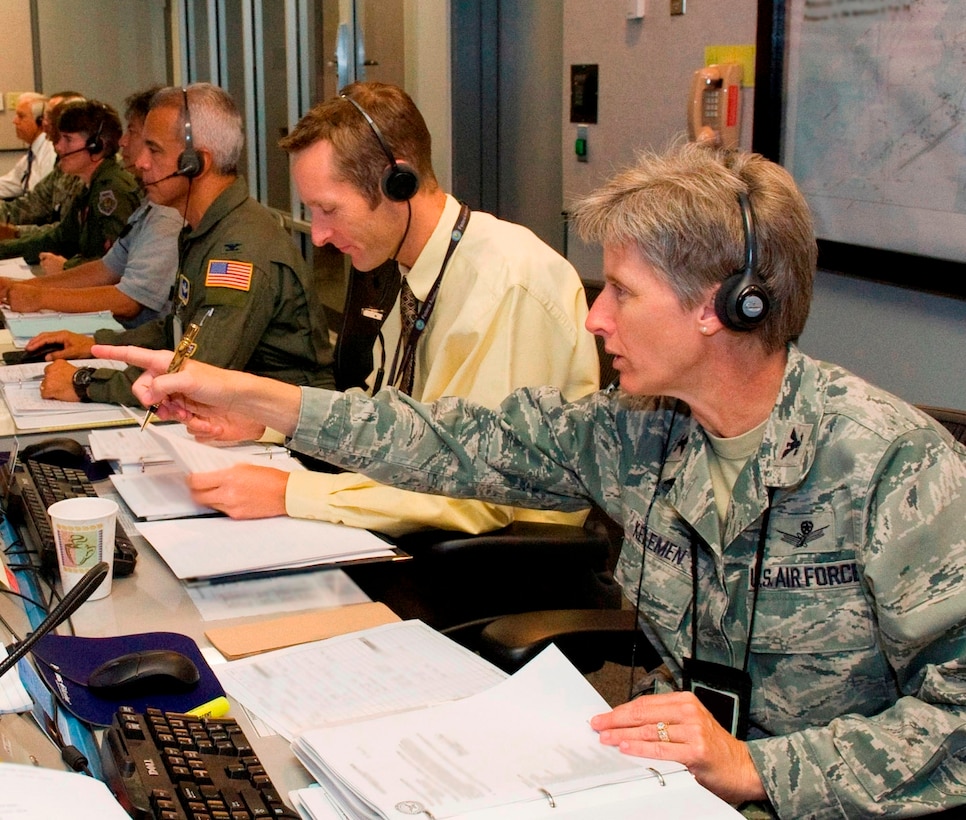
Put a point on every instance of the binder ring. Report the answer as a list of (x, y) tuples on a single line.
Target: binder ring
[(413, 807)]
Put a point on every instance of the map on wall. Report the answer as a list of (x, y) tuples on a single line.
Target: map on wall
[(875, 102)]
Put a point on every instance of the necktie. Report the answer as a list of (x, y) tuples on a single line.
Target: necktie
[(408, 308), (26, 177)]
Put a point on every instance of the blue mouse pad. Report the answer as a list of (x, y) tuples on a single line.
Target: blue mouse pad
[(66, 663)]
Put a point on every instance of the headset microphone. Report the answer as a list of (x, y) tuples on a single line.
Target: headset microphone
[(179, 173), (69, 153)]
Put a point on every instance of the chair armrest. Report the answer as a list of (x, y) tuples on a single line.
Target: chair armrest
[(540, 541), (455, 578), (588, 637)]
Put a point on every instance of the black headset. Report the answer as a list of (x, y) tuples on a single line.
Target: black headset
[(190, 163), (95, 145), (399, 181), (742, 301)]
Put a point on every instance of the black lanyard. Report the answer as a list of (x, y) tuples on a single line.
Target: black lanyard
[(408, 345)]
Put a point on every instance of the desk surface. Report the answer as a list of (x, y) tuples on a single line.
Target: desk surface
[(152, 599)]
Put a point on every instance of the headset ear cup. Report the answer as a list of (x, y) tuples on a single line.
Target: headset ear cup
[(741, 303), (95, 145), (190, 163), (400, 182)]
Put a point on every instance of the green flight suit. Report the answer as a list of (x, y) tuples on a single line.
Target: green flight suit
[(267, 317), (93, 223)]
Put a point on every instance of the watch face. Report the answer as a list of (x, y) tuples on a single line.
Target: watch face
[(82, 377)]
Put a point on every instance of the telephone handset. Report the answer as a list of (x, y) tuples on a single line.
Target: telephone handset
[(714, 111)]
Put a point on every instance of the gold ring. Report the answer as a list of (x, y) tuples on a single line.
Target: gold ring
[(662, 734)]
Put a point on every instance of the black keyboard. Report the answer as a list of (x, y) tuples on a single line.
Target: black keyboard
[(170, 766), (39, 485)]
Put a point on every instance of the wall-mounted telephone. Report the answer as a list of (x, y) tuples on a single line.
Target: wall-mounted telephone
[(714, 109)]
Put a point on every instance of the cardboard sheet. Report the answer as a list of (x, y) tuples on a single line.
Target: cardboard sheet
[(249, 639)]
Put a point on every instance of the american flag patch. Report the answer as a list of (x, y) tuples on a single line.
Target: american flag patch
[(228, 274)]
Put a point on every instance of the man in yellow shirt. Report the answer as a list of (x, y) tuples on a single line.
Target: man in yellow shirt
[(500, 309)]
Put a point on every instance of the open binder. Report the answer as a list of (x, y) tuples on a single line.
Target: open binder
[(519, 749)]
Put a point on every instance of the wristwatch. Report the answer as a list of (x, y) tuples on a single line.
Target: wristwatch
[(81, 381)]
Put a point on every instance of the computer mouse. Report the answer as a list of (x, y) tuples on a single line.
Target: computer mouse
[(144, 673), (60, 450), (40, 354)]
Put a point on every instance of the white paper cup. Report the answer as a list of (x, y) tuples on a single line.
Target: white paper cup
[(84, 533)]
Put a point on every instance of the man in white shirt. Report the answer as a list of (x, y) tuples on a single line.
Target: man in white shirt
[(39, 159), (510, 311)]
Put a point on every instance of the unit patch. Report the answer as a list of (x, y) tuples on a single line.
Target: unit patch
[(106, 202)]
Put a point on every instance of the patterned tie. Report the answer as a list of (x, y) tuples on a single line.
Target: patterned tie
[(408, 309), (26, 177)]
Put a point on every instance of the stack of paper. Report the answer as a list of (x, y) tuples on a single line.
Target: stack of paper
[(204, 550), (34, 793), (159, 458), (511, 748), (21, 392), (24, 326), (15, 269), (374, 672)]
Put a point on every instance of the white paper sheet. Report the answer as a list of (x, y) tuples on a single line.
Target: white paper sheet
[(378, 671), (16, 268), (13, 696), (523, 741), (200, 548), (33, 793), (285, 593)]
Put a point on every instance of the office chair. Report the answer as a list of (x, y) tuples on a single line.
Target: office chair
[(952, 420), (460, 582), (592, 637)]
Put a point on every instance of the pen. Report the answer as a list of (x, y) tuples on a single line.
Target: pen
[(185, 350)]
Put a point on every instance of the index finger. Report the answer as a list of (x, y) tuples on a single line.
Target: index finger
[(154, 362), (643, 710)]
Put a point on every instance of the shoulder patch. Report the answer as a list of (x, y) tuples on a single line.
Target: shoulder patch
[(184, 289), (106, 202), (228, 273)]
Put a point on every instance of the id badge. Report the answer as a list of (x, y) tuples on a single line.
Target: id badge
[(723, 690)]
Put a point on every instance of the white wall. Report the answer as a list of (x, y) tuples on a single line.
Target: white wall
[(428, 76), (16, 69), (909, 342), (105, 49)]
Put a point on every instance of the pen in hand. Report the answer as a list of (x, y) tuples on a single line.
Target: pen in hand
[(185, 350)]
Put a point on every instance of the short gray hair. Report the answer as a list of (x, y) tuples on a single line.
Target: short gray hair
[(681, 211), (216, 123), (37, 102)]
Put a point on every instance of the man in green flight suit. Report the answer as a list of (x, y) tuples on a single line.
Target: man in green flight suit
[(241, 278), (88, 134)]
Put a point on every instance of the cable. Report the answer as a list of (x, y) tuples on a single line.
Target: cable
[(665, 447)]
